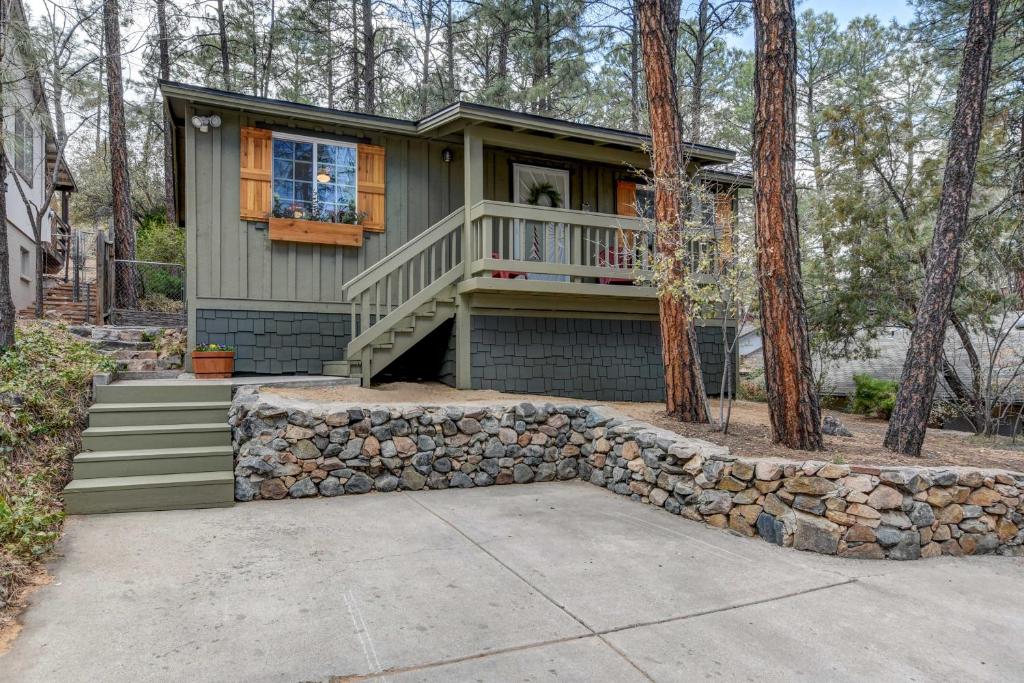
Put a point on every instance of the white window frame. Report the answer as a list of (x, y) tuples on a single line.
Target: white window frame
[(295, 137), (26, 264)]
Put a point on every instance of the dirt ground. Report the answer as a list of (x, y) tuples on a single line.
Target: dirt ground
[(748, 432)]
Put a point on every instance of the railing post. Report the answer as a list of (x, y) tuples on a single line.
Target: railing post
[(576, 236)]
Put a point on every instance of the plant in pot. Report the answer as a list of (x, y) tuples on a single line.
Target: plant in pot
[(213, 361)]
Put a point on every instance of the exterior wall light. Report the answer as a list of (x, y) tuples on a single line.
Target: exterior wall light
[(446, 155), (205, 123)]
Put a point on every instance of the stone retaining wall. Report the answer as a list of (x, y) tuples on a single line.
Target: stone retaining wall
[(289, 449)]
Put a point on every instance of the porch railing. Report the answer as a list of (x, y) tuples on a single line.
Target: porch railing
[(514, 239), (405, 280)]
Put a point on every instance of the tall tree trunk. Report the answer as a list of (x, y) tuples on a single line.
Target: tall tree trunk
[(504, 38), (356, 73), (451, 92), (914, 398), (222, 34), (165, 74), (428, 28), (685, 397), (792, 399), (369, 59), (697, 91), (124, 231), (634, 72), (7, 311)]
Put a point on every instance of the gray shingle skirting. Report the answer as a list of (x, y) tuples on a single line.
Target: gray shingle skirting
[(596, 359), (276, 342)]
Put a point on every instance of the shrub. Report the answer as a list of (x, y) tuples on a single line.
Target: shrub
[(874, 397), (44, 396), (752, 388)]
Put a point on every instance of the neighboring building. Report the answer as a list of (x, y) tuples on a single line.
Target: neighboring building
[(484, 247), (32, 152)]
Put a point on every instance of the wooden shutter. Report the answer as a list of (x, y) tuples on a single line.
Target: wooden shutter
[(255, 174), (625, 198), (370, 185), (625, 205), (724, 219)]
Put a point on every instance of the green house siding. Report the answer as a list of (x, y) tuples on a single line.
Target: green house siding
[(235, 259)]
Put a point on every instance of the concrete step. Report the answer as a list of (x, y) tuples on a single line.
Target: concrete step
[(150, 492), (162, 392), (152, 461), (130, 438), (140, 414)]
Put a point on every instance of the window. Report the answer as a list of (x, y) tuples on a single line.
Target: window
[(26, 263), (314, 180), (23, 143), (644, 201)]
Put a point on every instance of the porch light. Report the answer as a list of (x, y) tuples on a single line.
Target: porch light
[(205, 123), (446, 155), (323, 176)]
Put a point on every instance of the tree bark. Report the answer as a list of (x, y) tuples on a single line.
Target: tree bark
[(634, 72), (685, 397), (914, 398), (7, 311), (225, 57), (792, 399), (356, 76), (165, 74), (697, 91), (124, 231), (369, 59)]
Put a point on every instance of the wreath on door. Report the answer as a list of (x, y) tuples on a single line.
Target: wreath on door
[(538, 190)]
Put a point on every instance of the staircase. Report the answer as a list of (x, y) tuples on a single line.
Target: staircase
[(154, 446), (401, 299), (137, 355), (59, 302)]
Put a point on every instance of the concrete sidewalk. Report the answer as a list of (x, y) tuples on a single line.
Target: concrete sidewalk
[(559, 581)]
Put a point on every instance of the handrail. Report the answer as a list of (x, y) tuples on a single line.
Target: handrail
[(390, 262), (552, 215), (408, 278)]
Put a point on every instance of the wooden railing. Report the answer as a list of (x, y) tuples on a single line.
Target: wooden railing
[(405, 280), (511, 239)]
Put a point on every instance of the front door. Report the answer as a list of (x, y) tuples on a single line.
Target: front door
[(538, 240)]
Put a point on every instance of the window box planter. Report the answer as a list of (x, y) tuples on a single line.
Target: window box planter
[(213, 364), (315, 232)]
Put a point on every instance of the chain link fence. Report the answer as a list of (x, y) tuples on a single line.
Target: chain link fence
[(149, 293)]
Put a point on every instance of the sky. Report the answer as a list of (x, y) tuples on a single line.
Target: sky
[(844, 10)]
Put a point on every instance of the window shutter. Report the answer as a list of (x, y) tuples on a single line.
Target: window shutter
[(625, 198), (255, 174), (372, 169), (724, 219)]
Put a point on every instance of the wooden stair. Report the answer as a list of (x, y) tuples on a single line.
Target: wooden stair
[(401, 299), (59, 302), (154, 445)]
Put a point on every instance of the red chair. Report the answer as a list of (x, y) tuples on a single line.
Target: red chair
[(620, 257), (504, 274)]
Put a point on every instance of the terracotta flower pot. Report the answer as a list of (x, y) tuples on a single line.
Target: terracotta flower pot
[(213, 364)]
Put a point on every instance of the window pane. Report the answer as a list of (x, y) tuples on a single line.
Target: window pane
[(303, 191), (346, 157), (304, 171), (346, 178), (283, 188), (284, 168), (327, 155), (284, 149), (304, 151)]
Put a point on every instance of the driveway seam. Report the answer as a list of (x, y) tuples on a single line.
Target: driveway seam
[(600, 635), (532, 586)]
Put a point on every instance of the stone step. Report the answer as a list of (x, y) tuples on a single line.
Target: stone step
[(141, 414), (181, 435), (153, 461), (150, 492)]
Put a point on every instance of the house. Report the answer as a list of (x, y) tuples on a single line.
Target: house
[(32, 153), (487, 248)]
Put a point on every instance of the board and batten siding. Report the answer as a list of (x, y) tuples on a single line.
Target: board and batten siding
[(234, 259)]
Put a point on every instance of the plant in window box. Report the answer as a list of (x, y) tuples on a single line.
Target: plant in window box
[(213, 361)]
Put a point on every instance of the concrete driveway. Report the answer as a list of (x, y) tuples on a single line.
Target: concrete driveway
[(559, 581)]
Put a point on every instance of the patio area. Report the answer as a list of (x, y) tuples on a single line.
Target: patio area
[(550, 581)]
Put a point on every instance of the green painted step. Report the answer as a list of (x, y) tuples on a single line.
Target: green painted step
[(156, 436), (101, 464), (171, 391), (152, 492), (128, 414)]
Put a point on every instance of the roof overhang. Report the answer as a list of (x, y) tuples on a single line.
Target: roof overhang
[(445, 121)]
